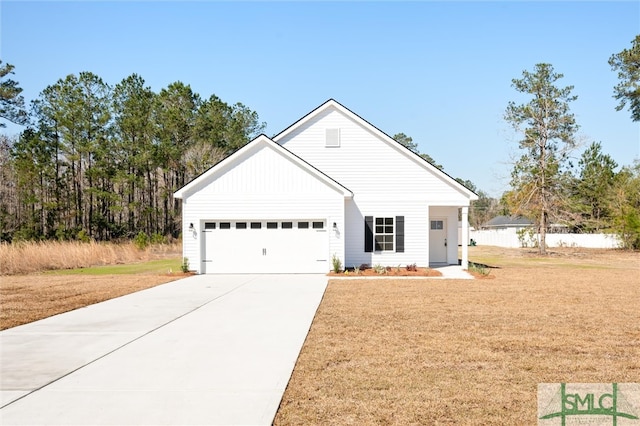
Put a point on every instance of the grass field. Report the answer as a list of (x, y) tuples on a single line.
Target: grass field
[(403, 352), (468, 352), (29, 297), (27, 257)]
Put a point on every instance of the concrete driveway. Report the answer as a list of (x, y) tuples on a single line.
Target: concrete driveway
[(209, 349)]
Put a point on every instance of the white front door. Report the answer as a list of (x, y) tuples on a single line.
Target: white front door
[(438, 241)]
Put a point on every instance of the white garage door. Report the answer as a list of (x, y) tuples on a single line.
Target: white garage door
[(269, 246)]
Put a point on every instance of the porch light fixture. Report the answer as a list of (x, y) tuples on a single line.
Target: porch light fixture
[(193, 231)]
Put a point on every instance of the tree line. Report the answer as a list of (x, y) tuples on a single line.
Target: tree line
[(546, 186), (102, 162)]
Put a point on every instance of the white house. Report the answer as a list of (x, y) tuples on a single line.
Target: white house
[(329, 185)]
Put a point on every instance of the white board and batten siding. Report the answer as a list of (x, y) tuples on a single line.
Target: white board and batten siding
[(387, 180), (265, 187)]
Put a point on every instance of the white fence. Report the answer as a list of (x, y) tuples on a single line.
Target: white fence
[(509, 238)]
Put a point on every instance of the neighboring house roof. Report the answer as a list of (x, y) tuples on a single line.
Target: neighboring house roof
[(508, 222), (260, 142), (331, 103)]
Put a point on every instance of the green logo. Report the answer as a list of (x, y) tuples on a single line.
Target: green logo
[(588, 403)]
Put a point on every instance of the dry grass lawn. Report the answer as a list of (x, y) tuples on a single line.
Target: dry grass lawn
[(428, 351), (26, 257), (468, 352), (27, 294), (27, 298)]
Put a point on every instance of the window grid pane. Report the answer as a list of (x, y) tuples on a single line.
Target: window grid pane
[(384, 234)]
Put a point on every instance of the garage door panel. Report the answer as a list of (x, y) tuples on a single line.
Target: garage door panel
[(266, 247)]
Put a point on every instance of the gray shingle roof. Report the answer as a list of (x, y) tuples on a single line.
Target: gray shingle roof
[(508, 222)]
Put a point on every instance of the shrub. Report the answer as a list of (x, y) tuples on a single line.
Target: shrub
[(527, 237), (141, 240), (478, 268), (379, 269), (185, 265), (83, 236), (413, 267), (337, 263), (158, 238)]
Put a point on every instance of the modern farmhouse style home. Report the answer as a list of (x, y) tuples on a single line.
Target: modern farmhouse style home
[(329, 185)]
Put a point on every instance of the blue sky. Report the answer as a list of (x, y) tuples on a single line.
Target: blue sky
[(439, 72)]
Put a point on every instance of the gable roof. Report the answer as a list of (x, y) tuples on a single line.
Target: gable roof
[(508, 221), (238, 156), (332, 103)]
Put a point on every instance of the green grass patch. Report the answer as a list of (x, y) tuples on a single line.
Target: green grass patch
[(162, 266), (479, 268)]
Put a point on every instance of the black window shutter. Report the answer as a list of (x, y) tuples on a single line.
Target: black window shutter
[(368, 234), (400, 234)]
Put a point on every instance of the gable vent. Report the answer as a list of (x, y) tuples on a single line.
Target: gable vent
[(333, 138)]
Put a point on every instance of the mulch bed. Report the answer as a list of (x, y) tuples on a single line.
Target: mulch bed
[(390, 271)]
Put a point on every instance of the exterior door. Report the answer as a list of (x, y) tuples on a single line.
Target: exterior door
[(438, 241), (271, 246)]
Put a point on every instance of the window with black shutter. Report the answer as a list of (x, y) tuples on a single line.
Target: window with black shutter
[(384, 234), (368, 234)]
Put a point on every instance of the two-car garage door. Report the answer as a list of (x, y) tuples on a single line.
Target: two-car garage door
[(265, 246)]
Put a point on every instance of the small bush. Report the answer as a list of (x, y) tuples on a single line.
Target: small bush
[(62, 234), (527, 237), (141, 240), (356, 270), (185, 265), (478, 268), (83, 236), (337, 263), (158, 238), (379, 269), (413, 267)]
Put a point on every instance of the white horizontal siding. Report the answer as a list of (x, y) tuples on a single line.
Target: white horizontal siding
[(385, 183), (367, 165), (416, 243)]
